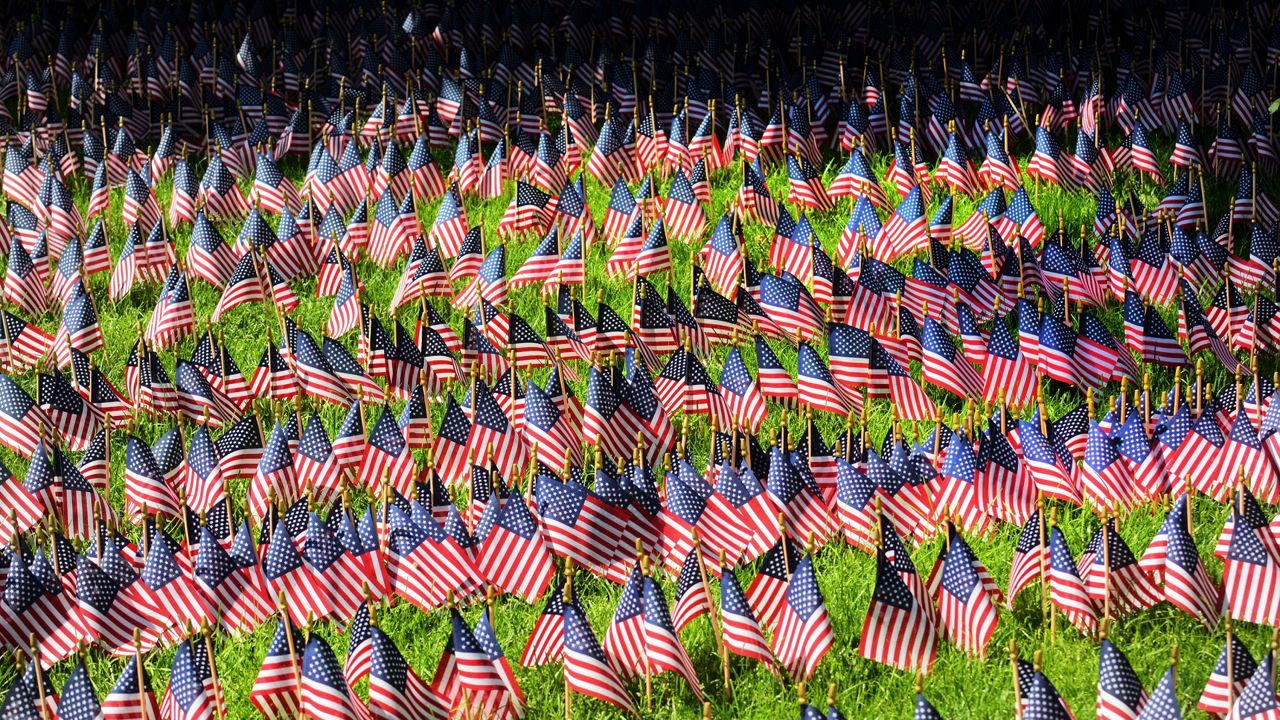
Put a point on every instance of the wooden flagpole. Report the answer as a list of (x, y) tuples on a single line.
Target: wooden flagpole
[(568, 600)]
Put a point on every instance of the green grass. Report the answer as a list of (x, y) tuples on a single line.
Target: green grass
[(960, 686)]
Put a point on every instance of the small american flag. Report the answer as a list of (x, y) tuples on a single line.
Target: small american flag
[(899, 627), (740, 392), (546, 640), (1250, 572), (1030, 555), (1228, 678), (663, 650), (394, 687), (278, 687), (1042, 699), (1258, 699), (325, 695), (187, 696), (803, 632), (586, 670), (130, 699), (78, 700), (512, 553), (624, 641), (287, 575), (386, 461), (1162, 704), (1066, 589), (965, 608)]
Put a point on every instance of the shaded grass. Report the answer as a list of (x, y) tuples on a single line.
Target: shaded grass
[(960, 687)]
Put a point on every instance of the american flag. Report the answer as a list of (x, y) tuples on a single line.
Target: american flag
[(925, 710), (803, 633), (475, 673), (540, 264), (345, 316), (342, 574), (1066, 589), (653, 255), (663, 651), (188, 697), (394, 688), (1250, 570), (241, 601), (1120, 692), (131, 698), (1007, 373), (683, 214), (487, 638), (721, 256), (146, 488), (577, 523), (240, 447), (358, 661), (1162, 704), (24, 344), (944, 365), (1112, 575), (287, 575), (691, 593), (78, 700), (817, 388), (966, 610), (531, 209), (546, 640), (29, 609), (1030, 555), (1021, 217), (1233, 670), (275, 479), (961, 495), (76, 419), (492, 433), (512, 554), (245, 285), (740, 392), (325, 694), (899, 628), (386, 461), (315, 461), (906, 230), (624, 641), (798, 501), (1104, 476), (586, 670), (172, 587), (1042, 699), (791, 307), (1172, 558), (1258, 699), (741, 631)]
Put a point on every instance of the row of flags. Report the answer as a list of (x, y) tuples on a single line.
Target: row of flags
[(488, 482)]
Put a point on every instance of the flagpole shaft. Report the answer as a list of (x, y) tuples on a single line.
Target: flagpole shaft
[(141, 676), (1044, 564), (293, 652), (711, 612), (1231, 666), (213, 673), (39, 674), (567, 596), (1017, 684), (1053, 613), (1106, 570)]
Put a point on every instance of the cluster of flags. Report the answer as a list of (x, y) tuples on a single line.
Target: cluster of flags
[(1151, 320)]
